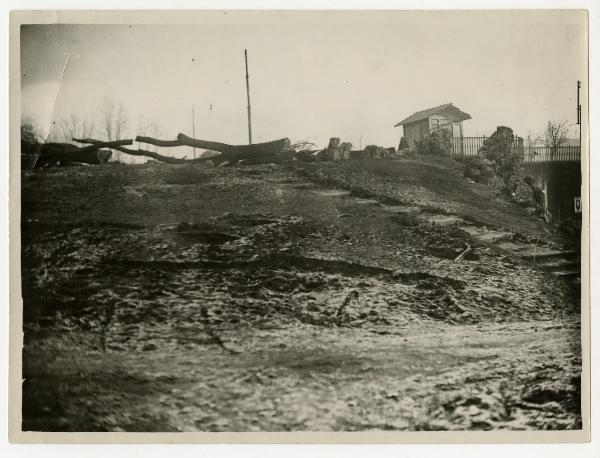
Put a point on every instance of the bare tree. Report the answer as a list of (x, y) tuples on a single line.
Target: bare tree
[(108, 108), (556, 134), (156, 131), (121, 122), (74, 127), (141, 127), (153, 129), (533, 140), (114, 121)]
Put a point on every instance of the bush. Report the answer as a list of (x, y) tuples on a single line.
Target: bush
[(524, 195), (529, 195), (301, 150), (499, 165), (374, 152), (439, 143), (410, 153), (479, 170)]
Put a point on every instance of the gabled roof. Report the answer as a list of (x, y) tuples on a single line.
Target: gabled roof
[(446, 109)]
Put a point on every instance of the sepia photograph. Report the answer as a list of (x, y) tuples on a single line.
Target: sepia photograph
[(300, 221)]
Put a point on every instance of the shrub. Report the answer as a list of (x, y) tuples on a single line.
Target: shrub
[(439, 143), (524, 195), (374, 152), (529, 195), (478, 169), (301, 150)]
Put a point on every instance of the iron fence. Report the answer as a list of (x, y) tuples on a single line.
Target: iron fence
[(470, 146), (467, 146), (549, 154)]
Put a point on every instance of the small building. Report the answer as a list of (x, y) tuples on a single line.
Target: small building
[(422, 123)]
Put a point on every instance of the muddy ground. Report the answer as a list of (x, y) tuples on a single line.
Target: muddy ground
[(295, 297)]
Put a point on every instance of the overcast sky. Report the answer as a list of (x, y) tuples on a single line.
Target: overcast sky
[(312, 76)]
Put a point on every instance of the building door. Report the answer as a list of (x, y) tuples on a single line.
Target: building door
[(456, 130)]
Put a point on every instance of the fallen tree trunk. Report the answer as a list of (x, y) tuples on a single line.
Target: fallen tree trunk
[(247, 154), (146, 153), (48, 154), (232, 153)]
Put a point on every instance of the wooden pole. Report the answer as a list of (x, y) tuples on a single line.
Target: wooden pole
[(579, 113), (248, 97)]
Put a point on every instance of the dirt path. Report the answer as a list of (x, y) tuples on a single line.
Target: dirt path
[(250, 299), (511, 376)]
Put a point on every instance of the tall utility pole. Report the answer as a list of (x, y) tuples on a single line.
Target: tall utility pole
[(579, 112), (194, 128), (248, 96)]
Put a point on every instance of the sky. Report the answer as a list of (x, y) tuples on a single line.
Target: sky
[(312, 75)]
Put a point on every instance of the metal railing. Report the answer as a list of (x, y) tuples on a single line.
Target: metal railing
[(549, 154), (467, 146), (470, 146)]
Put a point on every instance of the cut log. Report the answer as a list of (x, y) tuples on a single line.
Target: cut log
[(48, 154)]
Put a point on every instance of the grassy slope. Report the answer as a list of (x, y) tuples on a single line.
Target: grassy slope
[(104, 193), (435, 183)]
